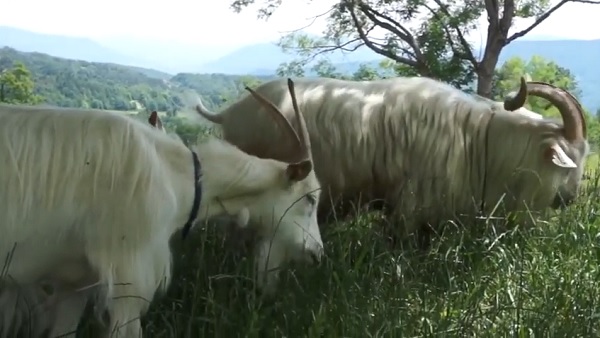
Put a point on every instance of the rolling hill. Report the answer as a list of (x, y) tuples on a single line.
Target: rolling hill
[(164, 56), (74, 83), (151, 58), (64, 47)]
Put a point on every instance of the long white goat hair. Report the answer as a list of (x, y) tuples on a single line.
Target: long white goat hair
[(376, 137), (112, 168), (99, 186)]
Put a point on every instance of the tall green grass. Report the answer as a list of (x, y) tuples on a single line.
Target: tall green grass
[(543, 281)]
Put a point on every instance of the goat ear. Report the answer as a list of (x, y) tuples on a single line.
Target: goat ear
[(298, 171), (558, 157)]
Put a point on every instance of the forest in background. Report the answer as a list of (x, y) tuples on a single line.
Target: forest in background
[(75, 83), (43, 79)]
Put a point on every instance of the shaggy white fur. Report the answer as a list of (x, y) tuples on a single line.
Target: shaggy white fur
[(93, 185), (428, 149)]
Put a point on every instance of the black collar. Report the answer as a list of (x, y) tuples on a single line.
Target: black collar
[(197, 196)]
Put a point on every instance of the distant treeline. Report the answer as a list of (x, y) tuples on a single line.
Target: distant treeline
[(73, 83)]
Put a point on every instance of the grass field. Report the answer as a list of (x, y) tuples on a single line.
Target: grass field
[(541, 282), (592, 163)]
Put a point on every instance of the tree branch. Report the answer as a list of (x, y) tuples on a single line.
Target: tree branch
[(508, 13), (492, 9), (544, 17), (323, 49), (366, 8), (371, 45), (329, 48), (468, 54), (399, 30), (314, 19)]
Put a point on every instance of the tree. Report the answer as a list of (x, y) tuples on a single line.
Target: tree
[(366, 73), (437, 47), (16, 85), (508, 76)]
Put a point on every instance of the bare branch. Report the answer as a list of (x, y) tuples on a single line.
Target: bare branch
[(468, 54), (508, 13), (399, 30), (328, 48), (363, 36), (314, 18), (324, 49), (406, 34), (408, 52), (544, 17)]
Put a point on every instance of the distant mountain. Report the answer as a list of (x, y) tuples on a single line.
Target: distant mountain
[(577, 55), (581, 57), (164, 56), (168, 56), (65, 47), (264, 58), (160, 59)]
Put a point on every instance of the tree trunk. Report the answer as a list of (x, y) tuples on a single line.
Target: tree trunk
[(485, 76), (496, 39)]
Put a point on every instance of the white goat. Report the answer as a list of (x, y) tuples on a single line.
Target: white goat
[(55, 304), (104, 188), (427, 149)]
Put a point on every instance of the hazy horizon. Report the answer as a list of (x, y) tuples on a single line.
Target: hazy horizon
[(184, 23)]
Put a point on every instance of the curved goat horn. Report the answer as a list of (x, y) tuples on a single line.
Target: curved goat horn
[(304, 136), (279, 117), (569, 108), (580, 110), (512, 103)]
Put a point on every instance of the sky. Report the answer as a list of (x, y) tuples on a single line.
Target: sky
[(204, 22)]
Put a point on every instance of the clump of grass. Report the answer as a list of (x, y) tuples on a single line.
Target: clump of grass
[(542, 281)]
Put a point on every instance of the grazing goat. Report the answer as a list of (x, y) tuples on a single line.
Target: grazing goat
[(110, 191), (427, 149)]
